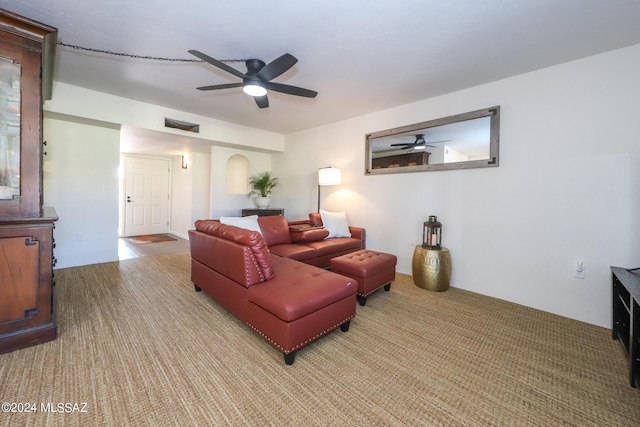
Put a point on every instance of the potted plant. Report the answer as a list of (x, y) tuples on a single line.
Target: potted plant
[(261, 185)]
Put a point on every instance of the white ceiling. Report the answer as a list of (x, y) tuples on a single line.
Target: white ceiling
[(360, 56)]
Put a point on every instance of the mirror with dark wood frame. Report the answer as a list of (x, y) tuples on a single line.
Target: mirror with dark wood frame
[(462, 141)]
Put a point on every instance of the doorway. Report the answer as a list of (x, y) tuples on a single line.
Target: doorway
[(145, 196)]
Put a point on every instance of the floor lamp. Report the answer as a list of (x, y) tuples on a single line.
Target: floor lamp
[(328, 176)]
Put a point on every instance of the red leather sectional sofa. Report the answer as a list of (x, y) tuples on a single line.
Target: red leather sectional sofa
[(305, 240), (272, 282)]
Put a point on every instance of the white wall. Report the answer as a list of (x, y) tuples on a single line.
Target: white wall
[(79, 102), (567, 186), (81, 182), (190, 193), (201, 187), (181, 198), (224, 204)]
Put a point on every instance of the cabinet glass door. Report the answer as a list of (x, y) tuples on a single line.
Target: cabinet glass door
[(9, 129)]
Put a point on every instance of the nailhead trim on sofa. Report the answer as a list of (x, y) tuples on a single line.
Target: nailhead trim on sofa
[(315, 337), (249, 256)]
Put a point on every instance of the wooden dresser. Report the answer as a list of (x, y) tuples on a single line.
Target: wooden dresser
[(26, 228), (626, 317)]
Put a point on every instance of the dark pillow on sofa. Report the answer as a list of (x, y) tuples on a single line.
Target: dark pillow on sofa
[(309, 235), (315, 219), (275, 229)]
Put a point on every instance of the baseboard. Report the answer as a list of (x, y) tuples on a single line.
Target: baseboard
[(182, 236)]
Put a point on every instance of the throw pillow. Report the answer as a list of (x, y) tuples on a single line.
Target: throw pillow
[(315, 219), (336, 223), (246, 222), (309, 235)]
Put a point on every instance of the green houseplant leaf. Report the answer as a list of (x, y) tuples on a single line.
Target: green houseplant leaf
[(262, 183)]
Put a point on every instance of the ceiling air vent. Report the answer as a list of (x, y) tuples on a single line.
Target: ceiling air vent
[(177, 124)]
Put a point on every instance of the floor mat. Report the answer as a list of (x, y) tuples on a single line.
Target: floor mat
[(150, 238)]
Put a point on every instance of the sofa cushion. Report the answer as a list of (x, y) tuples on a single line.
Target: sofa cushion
[(295, 251), (336, 245), (300, 289), (275, 229), (336, 223), (252, 239)]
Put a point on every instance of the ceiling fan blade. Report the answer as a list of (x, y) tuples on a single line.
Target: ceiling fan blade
[(216, 87), (435, 142), (262, 101), (402, 144), (291, 90), (277, 67), (217, 63)]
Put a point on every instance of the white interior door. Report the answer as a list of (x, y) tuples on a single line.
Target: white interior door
[(146, 196)]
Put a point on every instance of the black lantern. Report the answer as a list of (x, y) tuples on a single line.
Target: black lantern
[(432, 233)]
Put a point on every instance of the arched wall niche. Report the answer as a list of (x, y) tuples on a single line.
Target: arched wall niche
[(237, 175)]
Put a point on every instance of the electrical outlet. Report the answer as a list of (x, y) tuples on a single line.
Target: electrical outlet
[(578, 269), (79, 237)]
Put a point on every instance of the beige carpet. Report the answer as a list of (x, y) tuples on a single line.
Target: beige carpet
[(140, 347)]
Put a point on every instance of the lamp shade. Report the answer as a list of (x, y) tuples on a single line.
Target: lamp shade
[(329, 176)]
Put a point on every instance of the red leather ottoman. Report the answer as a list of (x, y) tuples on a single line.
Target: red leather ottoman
[(372, 270)]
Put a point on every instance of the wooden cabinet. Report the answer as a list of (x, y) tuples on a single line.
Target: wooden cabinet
[(626, 317), (26, 228), (409, 159), (263, 212), (26, 279)]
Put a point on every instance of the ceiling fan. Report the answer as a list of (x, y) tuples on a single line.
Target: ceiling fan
[(418, 144), (258, 77)]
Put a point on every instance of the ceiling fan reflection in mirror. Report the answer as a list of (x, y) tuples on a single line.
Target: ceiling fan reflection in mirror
[(257, 79), (418, 144)]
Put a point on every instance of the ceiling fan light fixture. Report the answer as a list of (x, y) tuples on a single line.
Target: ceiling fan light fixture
[(254, 90), (419, 147)]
